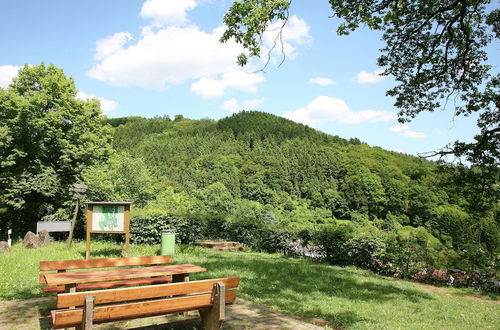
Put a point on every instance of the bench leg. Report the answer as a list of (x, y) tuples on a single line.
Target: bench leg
[(88, 313), (212, 318)]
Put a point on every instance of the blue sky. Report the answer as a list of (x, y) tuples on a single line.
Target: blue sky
[(161, 57)]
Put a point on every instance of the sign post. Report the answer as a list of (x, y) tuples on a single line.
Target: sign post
[(108, 218), (79, 190)]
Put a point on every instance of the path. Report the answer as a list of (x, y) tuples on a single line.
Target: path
[(34, 314)]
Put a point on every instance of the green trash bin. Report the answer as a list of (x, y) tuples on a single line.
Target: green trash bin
[(168, 243)]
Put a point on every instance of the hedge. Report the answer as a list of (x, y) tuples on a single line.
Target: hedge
[(407, 253)]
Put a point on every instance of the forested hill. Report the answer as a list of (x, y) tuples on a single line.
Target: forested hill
[(245, 125), (265, 168)]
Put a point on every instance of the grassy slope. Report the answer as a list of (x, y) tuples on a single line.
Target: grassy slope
[(344, 297)]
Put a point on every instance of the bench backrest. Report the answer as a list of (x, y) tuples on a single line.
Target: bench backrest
[(64, 265), (194, 295)]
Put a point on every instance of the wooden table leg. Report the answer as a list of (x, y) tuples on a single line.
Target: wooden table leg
[(176, 278), (180, 278)]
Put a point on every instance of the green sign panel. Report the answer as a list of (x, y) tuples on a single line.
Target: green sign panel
[(108, 218)]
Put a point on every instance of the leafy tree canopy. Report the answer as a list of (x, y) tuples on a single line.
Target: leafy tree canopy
[(433, 49), (47, 137)]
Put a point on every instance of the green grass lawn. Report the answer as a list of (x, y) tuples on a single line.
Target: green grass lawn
[(345, 297)]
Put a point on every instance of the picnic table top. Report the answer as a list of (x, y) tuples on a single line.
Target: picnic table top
[(119, 274)]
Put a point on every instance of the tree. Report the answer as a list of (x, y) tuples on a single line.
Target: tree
[(47, 137), (216, 200), (433, 49), (363, 192), (121, 178), (335, 203)]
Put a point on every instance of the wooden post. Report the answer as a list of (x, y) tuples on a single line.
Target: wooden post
[(127, 229), (73, 221), (89, 228), (212, 318), (88, 313)]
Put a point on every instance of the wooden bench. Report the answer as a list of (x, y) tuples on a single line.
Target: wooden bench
[(64, 265), (209, 297)]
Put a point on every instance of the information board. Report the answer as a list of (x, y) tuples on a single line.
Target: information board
[(108, 218)]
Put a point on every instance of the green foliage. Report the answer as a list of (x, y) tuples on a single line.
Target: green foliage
[(115, 122), (263, 169), (216, 200), (169, 201), (120, 178), (258, 236), (138, 128), (364, 192), (401, 253), (147, 230), (256, 125), (247, 20), (47, 138)]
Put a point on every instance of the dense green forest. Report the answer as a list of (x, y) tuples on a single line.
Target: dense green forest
[(268, 182), (262, 168)]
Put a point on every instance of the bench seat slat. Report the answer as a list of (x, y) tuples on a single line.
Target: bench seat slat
[(144, 292), (73, 317), (104, 262), (110, 284)]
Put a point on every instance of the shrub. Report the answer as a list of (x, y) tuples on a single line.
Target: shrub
[(330, 242), (407, 252), (147, 230)]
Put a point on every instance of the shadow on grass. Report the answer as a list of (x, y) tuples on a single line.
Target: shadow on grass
[(297, 285), (105, 253), (27, 314)]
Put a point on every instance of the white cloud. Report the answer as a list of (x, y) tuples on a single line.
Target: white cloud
[(406, 130), (167, 12), (7, 73), (106, 105), (233, 105), (325, 109), (399, 128), (208, 88), (232, 78), (175, 55), (321, 81), (111, 44), (172, 50), (365, 77)]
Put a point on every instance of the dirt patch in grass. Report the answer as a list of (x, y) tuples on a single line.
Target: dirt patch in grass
[(449, 292)]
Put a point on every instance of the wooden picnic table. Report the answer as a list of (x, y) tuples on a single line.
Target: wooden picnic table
[(180, 273)]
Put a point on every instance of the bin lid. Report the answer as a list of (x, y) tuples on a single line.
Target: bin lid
[(168, 231)]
